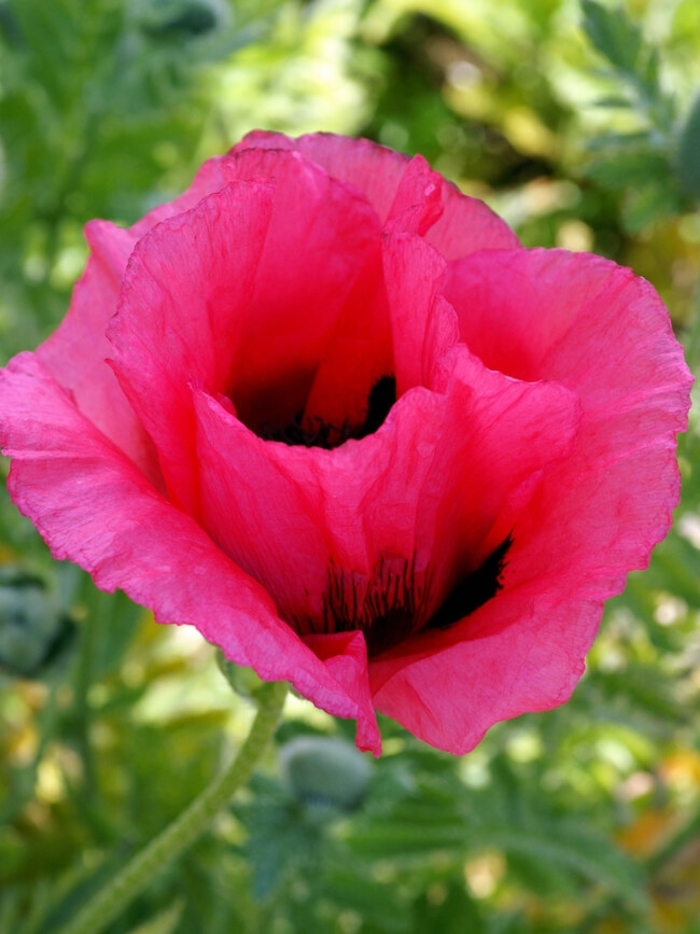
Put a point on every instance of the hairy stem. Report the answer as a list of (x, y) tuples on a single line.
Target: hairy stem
[(174, 840)]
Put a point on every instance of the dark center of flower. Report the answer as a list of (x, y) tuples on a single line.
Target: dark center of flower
[(314, 432), (388, 608), (473, 590)]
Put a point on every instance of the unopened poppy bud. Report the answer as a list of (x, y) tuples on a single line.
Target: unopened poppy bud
[(187, 18), (244, 681), (33, 631), (326, 773)]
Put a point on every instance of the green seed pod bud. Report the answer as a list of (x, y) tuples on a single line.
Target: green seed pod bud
[(325, 773), (244, 681), (33, 630), (188, 18)]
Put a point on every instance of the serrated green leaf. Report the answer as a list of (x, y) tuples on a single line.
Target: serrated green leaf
[(635, 65), (281, 841), (352, 888), (613, 34), (593, 857), (620, 170), (395, 838)]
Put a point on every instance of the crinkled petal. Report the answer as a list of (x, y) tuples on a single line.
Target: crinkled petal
[(94, 302), (516, 654), (604, 509), (216, 318), (344, 655), (503, 435), (290, 515), (416, 490), (423, 328), (468, 225), (593, 517), (417, 204), (372, 169), (455, 224), (94, 507), (76, 352), (196, 300)]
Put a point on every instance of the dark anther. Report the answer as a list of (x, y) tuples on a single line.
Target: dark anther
[(381, 398), (295, 433), (473, 590), (388, 607), (386, 611), (321, 435)]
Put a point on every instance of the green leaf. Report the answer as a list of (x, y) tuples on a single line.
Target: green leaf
[(652, 202), (454, 912), (635, 65), (567, 845), (353, 888), (409, 839), (165, 922), (688, 154), (621, 169), (613, 34), (281, 841)]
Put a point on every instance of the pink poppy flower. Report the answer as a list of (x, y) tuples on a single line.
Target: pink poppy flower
[(326, 409)]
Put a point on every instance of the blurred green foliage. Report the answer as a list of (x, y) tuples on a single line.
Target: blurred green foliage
[(580, 123)]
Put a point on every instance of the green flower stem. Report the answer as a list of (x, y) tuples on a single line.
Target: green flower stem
[(174, 840)]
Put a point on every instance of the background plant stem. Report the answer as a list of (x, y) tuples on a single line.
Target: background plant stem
[(175, 839)]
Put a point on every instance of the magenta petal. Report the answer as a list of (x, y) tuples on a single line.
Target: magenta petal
[(428, 497), (289, 515), (344, 655), (423, 324), (95, 508), (372, 169), (468, 225), (523, 655), (215, 317), (87, 375), (455, 224), (612, 345), (511, 435), (255, 510), (605, 336), (185, 338), (474, 443), (418, 201)]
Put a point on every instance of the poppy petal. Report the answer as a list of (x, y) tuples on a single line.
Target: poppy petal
[(94, 507), (594, 515), (461, 226)]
